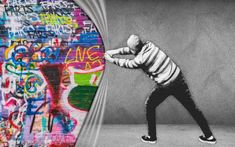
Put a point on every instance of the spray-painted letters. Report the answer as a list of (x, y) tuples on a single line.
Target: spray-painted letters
[(50, 66)]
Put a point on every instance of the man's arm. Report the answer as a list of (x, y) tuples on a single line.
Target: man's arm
[(126, 63), (121, 51)]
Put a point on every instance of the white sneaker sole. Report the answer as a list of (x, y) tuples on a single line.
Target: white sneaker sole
[(210, 142), (151, 142)]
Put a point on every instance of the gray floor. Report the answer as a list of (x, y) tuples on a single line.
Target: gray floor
[(168, 136)]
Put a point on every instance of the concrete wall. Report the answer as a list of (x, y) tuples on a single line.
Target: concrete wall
[(198, 35)]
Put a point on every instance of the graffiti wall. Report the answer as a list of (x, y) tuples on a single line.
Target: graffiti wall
[(51, 62)]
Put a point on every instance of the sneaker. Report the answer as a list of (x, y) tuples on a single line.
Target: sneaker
[(210, 140), (148, 139)]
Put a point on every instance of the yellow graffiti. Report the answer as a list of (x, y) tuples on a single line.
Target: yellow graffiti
[(54, 19), (80, 54), (11, 47), (84, 55)]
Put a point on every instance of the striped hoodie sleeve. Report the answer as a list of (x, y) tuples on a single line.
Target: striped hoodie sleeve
[(129, 63), (125, 51)]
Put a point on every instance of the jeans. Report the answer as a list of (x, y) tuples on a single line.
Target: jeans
[(179, 89)]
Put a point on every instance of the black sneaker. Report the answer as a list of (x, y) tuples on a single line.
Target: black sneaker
[(148, 139), (210, 140)]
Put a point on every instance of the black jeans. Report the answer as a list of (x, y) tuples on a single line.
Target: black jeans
[(179, 89)]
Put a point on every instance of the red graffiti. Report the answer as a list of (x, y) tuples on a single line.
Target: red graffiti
[(1, 68), (53, 76), (10, 119)]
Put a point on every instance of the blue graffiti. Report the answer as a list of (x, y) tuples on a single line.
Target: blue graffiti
[(23, 57), (66, 123), (32, 108)]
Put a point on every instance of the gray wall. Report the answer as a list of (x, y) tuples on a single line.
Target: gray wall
[(198, 35)]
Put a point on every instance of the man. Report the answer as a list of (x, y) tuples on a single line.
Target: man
[(169, 80)]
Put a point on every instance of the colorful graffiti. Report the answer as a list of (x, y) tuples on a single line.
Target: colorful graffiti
[(51, 63)]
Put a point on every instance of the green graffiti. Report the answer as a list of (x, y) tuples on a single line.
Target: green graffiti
[(44, 124), (81, 97), (85, 79)]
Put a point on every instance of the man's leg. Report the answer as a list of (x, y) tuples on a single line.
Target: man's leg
[(156, 97), (183, 95)]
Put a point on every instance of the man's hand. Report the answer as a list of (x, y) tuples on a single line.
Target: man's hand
[(110, 52), (114, 52), (108, 57)]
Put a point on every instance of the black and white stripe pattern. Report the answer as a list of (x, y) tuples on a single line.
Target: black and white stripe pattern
[(153, 61)]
